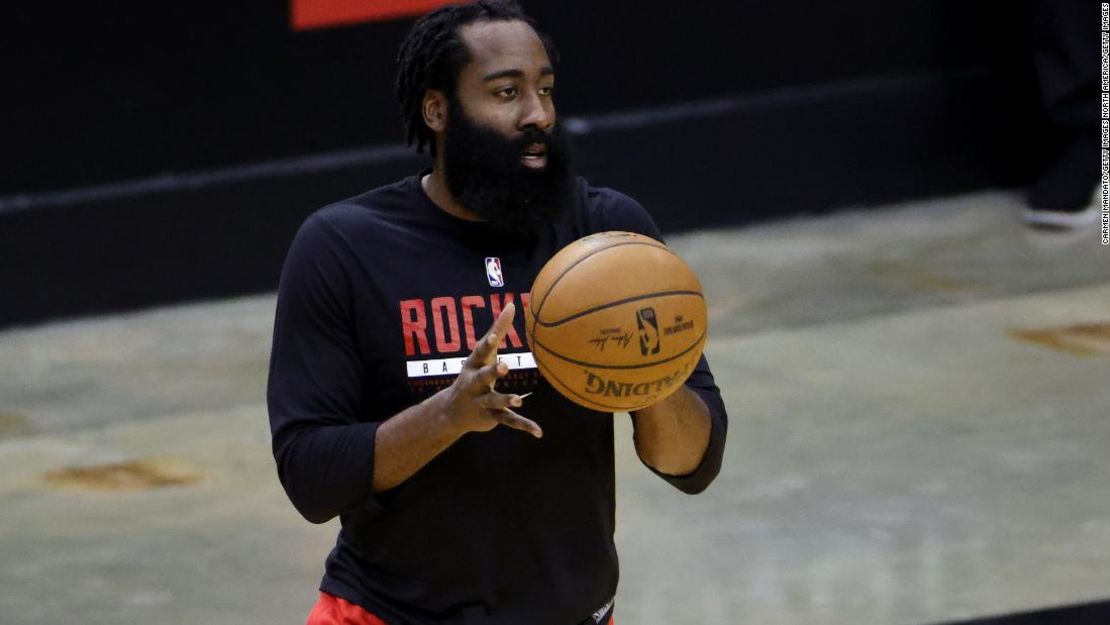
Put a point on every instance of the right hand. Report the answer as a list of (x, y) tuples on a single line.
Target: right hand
[(471, 403)]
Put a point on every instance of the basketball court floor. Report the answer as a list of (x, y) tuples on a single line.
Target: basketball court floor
[(920, 433)]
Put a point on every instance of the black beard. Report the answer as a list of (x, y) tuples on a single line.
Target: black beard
[(484, 172)]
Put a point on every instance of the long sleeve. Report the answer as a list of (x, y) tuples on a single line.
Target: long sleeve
[(323, 446), (701, 382)]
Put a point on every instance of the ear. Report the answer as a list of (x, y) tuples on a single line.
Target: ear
[(434, 108)]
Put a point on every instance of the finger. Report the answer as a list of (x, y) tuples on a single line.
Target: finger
[(487, 347), (511, 419), (504, 321), (488, 375), (498, 401), (485, 351)]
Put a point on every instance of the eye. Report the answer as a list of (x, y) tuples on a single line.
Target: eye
[(507, 93), (546, 91)]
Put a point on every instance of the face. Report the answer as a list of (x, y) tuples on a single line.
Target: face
[(503, 156), (508, 84)]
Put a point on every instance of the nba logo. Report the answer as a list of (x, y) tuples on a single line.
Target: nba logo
[(649, 331), (493, 271)]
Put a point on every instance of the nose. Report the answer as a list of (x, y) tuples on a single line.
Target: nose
[(538, 111)]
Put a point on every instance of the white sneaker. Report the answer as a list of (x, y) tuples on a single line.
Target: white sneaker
[(1080, 217)]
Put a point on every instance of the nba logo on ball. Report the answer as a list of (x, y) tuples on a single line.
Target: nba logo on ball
[(493, 271), (649, 331)]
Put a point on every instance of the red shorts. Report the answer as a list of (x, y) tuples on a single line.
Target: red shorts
[(331, 610)]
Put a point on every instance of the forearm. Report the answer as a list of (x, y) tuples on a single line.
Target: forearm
[(672, 436), (331, 469), (410, 440)]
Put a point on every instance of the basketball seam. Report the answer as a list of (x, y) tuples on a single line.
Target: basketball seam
[(621, 367), (636, 298), (559, 277)]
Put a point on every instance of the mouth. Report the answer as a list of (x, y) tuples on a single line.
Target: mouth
[(534, 156)]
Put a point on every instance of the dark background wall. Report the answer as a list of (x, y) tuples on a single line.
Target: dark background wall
[(155, 152)]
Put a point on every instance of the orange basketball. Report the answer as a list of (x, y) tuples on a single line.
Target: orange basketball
[(616, 321)]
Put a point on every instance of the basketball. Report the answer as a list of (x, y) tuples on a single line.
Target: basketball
[(616, 321)]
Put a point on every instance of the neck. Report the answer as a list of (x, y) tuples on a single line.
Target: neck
[(435, 185)]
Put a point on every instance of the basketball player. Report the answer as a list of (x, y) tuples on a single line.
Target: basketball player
[(469, 491)]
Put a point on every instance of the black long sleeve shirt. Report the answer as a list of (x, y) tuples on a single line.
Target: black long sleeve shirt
[(380, 299)]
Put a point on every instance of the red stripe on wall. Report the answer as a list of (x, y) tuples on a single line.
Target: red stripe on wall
[(309, 14)]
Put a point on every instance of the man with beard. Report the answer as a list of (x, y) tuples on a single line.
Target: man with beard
[(384, 398)]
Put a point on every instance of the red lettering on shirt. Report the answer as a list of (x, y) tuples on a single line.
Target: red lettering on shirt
[(467, 303), (444, 308), (414, 326), (445, 322)]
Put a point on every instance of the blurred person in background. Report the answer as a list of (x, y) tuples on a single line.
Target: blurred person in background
[(1066, 58)]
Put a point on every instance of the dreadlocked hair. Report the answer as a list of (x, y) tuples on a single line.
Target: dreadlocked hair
[(433, 54)]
